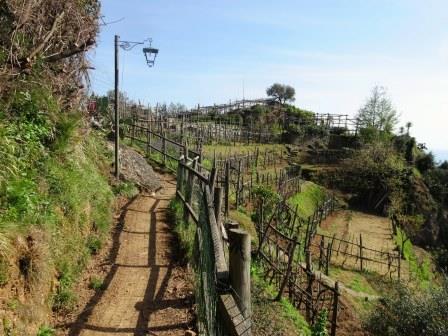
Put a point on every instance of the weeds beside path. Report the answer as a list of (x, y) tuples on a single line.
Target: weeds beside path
[(145, 291)]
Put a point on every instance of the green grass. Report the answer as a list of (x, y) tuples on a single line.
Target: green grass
[(245, 222), (224, 150), (360, 284), (308, 199), (126, 189), (94, 244), (96, 283), (421, 270), (272, 317), (185, 231), (46, 331), (54, 192), (4, 276)]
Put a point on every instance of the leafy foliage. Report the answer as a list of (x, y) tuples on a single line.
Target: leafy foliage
[(408, 313), (376, 175), (320, 326), (185, 231), (425, 162), (281, 92), (265, 197), (46, 331), (377, 117)]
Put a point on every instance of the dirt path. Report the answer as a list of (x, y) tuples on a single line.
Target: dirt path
[(146, 293)]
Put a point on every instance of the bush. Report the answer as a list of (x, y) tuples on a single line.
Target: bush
[(93, 244), (3, 272), (96, 283), (64, 298), (185, 232), (46, 331), (319, 328), (266, 197), (425, 162), (407, 313)]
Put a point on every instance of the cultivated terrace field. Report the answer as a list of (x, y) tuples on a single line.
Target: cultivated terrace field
[(253, 217)]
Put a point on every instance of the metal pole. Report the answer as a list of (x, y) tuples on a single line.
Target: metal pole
[(117, 117)]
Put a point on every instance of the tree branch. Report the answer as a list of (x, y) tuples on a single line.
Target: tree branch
[(68, 53), (47, 37)]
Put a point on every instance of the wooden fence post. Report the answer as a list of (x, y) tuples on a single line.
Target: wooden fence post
[(164, 147), (227, 187), (217, 200), (291, 251), (360, 252), (257, 154), (189, 191), (239, 268), (309, 289), (237, 196), (334, 317), (148, 136), (321, 252), (180, 175), (328, 257), (182, 130), (134, 121)]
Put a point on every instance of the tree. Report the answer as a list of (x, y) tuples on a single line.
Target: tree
[(378, 112), (425, 162), (281, 92), (408, 127)]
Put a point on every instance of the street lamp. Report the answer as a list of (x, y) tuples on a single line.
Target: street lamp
[(150, 56)]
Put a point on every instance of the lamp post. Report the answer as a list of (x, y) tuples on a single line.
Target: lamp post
[(150, 56)]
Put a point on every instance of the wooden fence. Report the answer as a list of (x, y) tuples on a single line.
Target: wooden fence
[(353, 254), (223, 309), (281, 240)]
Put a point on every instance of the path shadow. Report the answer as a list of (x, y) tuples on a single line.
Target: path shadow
[(156, 287), (153, 298), (80, 323)]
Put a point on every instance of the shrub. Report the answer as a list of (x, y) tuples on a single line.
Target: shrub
[(266, 197), (126, 189), (425, 162), (407, 313), (93, 244), (64, 298), (3, 272), (46, 331), (319, 328), (185, 231), (96, 283)]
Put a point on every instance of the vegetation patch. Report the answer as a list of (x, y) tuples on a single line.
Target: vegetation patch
[(411, 313), (308, 199), (185, 231), (420, 268), (272, 317), (96, 283), (245, 221)]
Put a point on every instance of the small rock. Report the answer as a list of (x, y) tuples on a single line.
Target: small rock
[(190, 333)]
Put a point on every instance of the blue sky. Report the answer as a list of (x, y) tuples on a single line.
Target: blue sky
[(332, 52)]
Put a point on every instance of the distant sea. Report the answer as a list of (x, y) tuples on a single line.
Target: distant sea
[(440, 155)]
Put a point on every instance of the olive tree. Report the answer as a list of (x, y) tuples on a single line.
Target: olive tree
[(281, 92)]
